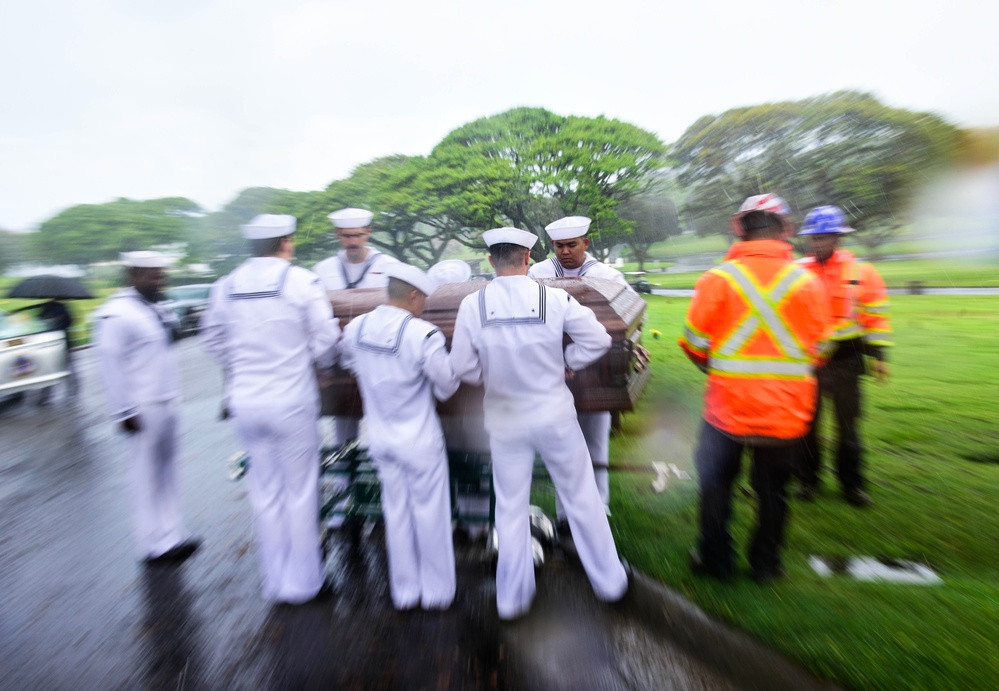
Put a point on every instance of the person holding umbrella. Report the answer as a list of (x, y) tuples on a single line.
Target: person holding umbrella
[(57, 314)]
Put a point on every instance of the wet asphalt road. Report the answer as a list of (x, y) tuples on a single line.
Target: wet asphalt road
[(78, 612)]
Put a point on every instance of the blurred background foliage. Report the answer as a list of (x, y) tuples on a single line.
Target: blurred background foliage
[(528, 166)]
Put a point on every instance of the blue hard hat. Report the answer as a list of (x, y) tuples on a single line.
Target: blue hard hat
[(825, 220)]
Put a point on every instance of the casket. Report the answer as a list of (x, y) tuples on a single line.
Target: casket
[(611, 383)]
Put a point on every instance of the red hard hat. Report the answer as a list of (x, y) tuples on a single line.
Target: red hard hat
[(770, 203)]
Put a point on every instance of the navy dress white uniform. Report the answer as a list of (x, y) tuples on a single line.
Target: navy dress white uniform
[(355, 266), (134, 344), (596, 426), (509, 337), (402, 366), (271, 325)]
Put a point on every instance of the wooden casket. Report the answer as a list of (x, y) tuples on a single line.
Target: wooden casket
[(611, 383)]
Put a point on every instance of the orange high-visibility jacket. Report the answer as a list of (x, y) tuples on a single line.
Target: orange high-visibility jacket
[(758, 325), (858, 300)]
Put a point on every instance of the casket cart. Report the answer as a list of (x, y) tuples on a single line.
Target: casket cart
[(351, 491)]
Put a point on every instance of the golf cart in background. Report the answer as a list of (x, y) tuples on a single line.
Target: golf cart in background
[(635, 278), (32, 354), (34, 339)]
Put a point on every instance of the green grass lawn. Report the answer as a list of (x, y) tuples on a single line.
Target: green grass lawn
[(932, 436), (897, 274), (935, 272), (685, 245)]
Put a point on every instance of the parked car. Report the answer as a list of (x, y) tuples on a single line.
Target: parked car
[(642, 286), (188, 303), (32, 355)]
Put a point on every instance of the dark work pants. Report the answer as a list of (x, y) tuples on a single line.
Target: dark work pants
[(718, 459), (840, 381)]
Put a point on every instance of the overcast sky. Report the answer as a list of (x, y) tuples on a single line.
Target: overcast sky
[(152, 98)]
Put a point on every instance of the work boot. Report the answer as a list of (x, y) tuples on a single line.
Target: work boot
[(857, 497), (699, 567), (807, 493), (768, 575), (176, 554)]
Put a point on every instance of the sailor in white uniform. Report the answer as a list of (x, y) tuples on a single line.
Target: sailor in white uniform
[(509, 337), (355, 266), (271, 326), (134, 342), (402, 366), (570, 244)]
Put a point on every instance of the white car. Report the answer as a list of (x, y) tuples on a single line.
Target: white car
[(32, 355)]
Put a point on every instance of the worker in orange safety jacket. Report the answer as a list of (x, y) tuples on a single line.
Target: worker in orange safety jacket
[(757, 325), (858, 304)]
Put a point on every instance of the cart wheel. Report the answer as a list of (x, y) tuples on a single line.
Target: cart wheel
[(492, 549), (542, 527), (539, 548), (538, 552)]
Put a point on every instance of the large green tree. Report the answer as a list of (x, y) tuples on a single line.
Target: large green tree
[(13, 249), (222, 242), (845, 148), (528, 166), (405, 225), (89, 233), (652, 217)]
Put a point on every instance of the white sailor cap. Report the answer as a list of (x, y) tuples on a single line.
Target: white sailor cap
[(351, 218), (568, 228), (449, 271), (267, 226), (145, 259), (512, 236), (411, 275)]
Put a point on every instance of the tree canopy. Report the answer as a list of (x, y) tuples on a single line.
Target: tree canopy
[(90, 233), (402, 226), (651, 217), (845, 148), (527, 167), (13, 249), (220, 237)]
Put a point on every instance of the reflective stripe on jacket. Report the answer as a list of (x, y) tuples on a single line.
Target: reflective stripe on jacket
[(858, 301), (758, 326)]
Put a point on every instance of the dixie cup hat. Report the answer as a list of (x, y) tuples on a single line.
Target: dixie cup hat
[(145, 259), (568, 228), (511, 236), (449, 271), (351, 218), (267, 226), (408, 273)]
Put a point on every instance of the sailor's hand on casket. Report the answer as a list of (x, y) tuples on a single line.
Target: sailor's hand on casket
[(569, 374), (641, 358)]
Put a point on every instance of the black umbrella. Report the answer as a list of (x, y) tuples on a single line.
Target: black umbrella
[(52, 287)]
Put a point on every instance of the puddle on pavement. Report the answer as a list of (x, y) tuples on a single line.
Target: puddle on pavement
[(875, 569)]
